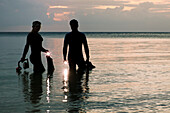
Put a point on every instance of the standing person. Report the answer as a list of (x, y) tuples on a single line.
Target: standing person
[(75, 40), (34, 40)]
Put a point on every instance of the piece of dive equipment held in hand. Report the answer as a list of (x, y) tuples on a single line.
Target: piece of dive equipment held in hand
[(25, 65), (50, 65)]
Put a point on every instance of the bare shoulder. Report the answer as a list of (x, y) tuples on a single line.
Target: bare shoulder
[(82, 34)]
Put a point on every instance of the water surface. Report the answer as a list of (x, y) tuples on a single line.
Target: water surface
[(132, 74)]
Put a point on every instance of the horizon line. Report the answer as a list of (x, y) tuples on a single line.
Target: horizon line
[(89, 31)]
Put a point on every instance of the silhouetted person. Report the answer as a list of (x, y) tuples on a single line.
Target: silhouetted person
[(75, 40), (34, 40)]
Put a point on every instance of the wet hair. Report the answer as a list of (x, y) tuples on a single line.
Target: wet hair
[(35, 23), (74, 21)]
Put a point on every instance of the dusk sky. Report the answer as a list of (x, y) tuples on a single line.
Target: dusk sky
[(93, 15)]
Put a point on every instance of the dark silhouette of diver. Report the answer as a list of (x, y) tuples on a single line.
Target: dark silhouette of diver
[(34, 40), (75, 40)]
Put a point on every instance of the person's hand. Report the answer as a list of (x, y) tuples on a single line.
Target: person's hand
[(64, 58), (87, 60), (65, 62), (46, 51)]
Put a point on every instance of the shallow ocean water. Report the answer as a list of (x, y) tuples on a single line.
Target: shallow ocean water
[(131, 75)]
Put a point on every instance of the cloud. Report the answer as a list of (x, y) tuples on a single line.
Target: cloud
[(93, 15), (89, 7), (139, 18), (105, 7), (61, 16), (51, 7)]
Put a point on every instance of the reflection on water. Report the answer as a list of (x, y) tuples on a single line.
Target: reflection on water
[(75, 88), (32, 90), (48, 90), (65, 84), (132, 75)]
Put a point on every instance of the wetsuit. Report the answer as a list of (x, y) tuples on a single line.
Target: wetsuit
[(34, 40), (75, 40)]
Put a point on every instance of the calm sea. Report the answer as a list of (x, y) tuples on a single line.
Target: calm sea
[(132, 75)]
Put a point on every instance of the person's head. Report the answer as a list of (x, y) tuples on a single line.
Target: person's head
[(74, 25), (36, 25)]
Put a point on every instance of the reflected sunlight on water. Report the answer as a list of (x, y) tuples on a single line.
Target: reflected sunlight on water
[(131, 75), (65, 74), (48, 90), (65, 81)]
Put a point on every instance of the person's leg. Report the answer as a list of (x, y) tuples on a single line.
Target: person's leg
[(72, 65), (37, 64), (38, 67), (81, 64)]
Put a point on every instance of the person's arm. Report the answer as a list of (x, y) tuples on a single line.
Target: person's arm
[(86, 48), (65, 48), (43, 50), (26, 48)]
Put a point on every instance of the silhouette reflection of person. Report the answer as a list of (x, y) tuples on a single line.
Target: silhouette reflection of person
[(32, 90), (34, 40), (36, 88), (76, 91), (75, 40)]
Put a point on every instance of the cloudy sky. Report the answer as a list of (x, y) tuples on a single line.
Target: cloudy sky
[(93, 15)]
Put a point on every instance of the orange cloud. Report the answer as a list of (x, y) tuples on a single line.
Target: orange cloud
[(126, 8), (52, 7), (62, 16)]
